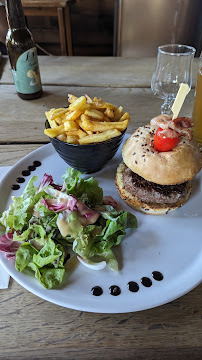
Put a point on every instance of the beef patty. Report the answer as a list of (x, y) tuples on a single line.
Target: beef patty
[(150, 192)]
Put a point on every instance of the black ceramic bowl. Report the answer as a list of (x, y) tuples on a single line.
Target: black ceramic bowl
[(87, 158)]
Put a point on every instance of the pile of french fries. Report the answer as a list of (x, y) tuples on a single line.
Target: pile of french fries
[(86, 121)]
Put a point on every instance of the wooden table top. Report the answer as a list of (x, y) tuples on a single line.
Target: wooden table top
[(32, 328)]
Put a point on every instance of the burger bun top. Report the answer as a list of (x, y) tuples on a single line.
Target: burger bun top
[(176, 166)]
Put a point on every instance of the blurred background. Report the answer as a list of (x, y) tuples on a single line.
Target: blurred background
[(122, 27)]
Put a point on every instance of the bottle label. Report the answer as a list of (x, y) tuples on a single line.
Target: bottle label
[(27, 76)]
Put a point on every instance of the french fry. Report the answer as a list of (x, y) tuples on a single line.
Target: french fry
[(125, 116), (78, 104), (118, 113), (72, 98), (58, 120), (72, 133), (71, 115), (86, 120), (103, 105), (52, 124), (99, 137), (103, 126), (81, 133), (70, 125), (54, 113), (106, 119), (98, 100), (109, 113), (89, 100), (61, 137), (71, 139), (54, 132), (95, 114)]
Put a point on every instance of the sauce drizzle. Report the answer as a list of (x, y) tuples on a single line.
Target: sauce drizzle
[(146, 282), (20, 180), (133, 286), (31, 168), (15, 187), (157, 275), (114, 290), (36, 163), (25, 172), (96, 291)]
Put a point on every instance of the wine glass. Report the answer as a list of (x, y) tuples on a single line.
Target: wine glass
[(174, 66)]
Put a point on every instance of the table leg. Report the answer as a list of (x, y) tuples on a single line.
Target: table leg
[(61, 24), (68, 30)]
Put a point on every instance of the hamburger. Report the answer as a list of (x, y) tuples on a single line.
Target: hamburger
[(159, 163)]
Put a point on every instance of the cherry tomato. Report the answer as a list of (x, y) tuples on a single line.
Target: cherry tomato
[(163, 143)]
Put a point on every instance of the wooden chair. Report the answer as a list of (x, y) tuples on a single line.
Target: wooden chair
[(59, 8)]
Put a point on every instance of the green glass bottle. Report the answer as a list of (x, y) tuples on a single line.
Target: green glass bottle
[(22, 53)]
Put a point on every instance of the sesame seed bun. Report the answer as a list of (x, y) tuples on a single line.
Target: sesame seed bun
[(165, 168)]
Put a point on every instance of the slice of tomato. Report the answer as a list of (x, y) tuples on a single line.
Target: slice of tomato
[(163, 143)]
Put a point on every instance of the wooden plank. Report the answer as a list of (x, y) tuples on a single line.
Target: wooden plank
[(23, 121), (34, 11), (172, 331), (10, 154), (45, 3), (95, 71)]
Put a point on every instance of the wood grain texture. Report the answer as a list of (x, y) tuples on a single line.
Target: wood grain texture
[(95, 71), (32, 328), (45, 3), (24, 121), (37, 329), (10, 154)]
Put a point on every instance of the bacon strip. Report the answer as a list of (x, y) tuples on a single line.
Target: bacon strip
[(161, 121), (175, 127), (184, 122), (169, 133)]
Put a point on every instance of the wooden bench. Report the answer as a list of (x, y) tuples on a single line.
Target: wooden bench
[(59, 8)]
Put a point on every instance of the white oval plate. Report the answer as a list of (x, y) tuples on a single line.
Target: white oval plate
[(168, 243)]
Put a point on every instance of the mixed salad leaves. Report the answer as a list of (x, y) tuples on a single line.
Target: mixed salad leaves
[(48, 222)]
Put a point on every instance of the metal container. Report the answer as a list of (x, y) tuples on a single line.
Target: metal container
[(140, 26)]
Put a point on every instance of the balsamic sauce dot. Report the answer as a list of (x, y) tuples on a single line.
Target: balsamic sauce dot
[(36, 163), (157, 275), (15, 187), (96, 291), (25, 172), (20, 180), (31, 168), (146, 281), (133, 286), (114, 290)]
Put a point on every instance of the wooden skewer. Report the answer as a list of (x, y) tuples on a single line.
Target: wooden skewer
[(179, 100)]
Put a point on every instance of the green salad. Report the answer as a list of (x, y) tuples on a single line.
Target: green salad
[(49, 223)]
